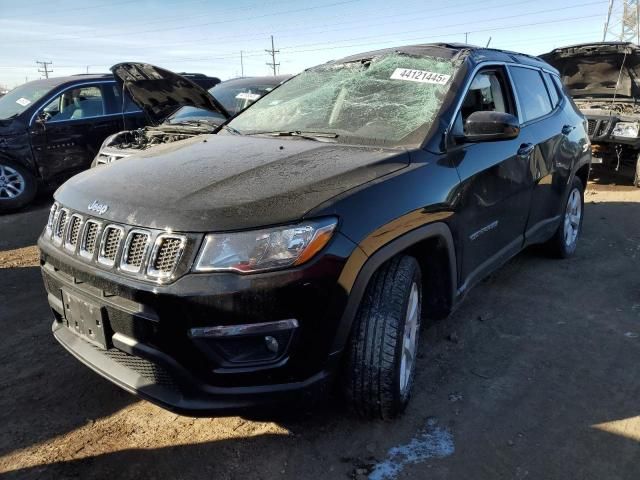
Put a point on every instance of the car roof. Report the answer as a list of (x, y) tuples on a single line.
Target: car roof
[(266, 80), (474, 53), (58, 81)]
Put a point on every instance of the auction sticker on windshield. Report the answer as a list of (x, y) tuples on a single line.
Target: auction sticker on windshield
[(23, 102), (247, 96), (420, 76)]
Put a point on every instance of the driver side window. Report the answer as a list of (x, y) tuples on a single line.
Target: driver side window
[(486, 93), (75, 104)]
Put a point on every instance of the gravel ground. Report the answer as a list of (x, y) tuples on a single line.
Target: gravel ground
[(534, 376)]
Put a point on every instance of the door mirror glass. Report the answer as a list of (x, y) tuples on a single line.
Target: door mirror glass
[(490, 126)]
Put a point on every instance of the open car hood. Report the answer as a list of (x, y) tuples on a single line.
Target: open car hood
[(159, 92), (593, 69)]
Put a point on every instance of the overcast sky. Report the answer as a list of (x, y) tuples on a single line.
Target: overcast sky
[(207, 35)]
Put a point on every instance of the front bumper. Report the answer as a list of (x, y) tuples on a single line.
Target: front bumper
[(149, 350), (158, 378)]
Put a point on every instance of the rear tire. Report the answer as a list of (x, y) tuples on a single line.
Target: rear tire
[(18, 186), (564, 242), (382, 354)]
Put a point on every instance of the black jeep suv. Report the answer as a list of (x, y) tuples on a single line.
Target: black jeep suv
[(313, 235)]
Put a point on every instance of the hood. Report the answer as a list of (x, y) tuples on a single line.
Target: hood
[(227, 182), (159, 92), (11, 126), (593, 70)]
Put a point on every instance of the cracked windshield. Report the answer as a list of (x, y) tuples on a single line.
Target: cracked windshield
[(388, 100)]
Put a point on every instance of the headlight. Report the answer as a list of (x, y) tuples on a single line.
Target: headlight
[(268, 249), (625, 129)]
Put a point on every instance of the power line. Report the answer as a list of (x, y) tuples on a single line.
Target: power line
[(273, 52), (45, 68), (322, 29)]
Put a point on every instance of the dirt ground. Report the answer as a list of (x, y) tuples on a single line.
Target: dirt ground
[(534, 376)]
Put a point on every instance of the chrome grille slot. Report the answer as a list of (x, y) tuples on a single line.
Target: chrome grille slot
[(135, 250), (148, 254), (52, 217), (603, 128), (110, 243), (166, 255), (89, 238), (73, 232), (59, 225)]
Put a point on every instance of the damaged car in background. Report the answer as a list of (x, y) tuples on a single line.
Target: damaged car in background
[(160, 94), (175, 111), (603, 80)]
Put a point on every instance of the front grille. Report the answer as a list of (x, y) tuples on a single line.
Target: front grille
[(143, 367), (149, 254), (89, 239), (60, 223), (73, 232), (591, 126), (110, 243), (135, 250), (168, 252), (52, 217), (603, 128)]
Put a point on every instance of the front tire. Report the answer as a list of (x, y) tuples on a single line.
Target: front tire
[(565, 241), (382, 354), (18, 186)]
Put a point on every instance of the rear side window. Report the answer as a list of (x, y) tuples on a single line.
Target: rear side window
[(553, 91), (532, 93)]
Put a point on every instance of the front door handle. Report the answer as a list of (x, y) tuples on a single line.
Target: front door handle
[(567, 129), (526, 149)]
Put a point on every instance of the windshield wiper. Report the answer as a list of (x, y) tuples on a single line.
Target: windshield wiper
[(231, 130), (318, 136)]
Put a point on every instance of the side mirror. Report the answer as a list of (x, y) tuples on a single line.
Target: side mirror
[(490, 126), (42, 117)]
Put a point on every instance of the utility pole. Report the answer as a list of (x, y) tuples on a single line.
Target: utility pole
[(466, 37), (241, 65), (623, 21), (273, 52), (45, 68)]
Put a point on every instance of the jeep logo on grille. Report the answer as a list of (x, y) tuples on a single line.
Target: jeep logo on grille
[(97, 207)]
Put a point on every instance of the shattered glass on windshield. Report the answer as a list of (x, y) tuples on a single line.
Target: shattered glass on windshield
[(356, 99)]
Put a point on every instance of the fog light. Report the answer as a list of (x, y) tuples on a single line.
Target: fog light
[(271, 343), (230, 346)]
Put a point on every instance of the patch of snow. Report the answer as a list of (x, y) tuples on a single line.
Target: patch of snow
[(430, 442)]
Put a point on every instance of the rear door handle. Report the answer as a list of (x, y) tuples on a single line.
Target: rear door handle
[(567, 129), (526, 149)]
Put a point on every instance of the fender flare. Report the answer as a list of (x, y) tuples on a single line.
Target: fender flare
[(438, 230)]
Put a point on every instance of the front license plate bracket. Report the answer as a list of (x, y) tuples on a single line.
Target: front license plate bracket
[(85, 318)]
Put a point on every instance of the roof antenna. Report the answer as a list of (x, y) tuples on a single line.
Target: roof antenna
[(488, 42)]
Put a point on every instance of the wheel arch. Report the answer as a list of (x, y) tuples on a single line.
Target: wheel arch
[(582, 172), (417, 242)]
